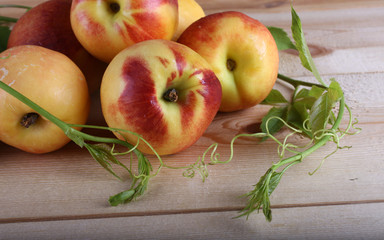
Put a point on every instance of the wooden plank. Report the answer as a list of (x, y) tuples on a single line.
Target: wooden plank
[(336, 48), (263, 5), (66, 192), (362, 221), (49, 186), (273, 6)]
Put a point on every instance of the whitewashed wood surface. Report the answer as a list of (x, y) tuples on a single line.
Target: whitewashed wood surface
[(63, 195)]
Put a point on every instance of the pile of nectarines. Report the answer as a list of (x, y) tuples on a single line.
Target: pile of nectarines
[(163, 69)]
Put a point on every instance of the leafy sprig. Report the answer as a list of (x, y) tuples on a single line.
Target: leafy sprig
[(259, 197), (103, 150), (310, 112)]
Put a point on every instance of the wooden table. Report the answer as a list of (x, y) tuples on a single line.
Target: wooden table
[(63, 195)]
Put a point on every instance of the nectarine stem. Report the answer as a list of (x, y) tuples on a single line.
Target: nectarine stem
[(231, 64), (171, 95), (29, 119), (115, 7)]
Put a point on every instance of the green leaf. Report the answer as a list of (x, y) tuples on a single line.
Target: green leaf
[(302, 47), (309, 108), (131, 194), (75, 137), (274, 181), (274, 97), (304, 103), (297, 115), (270, 122), (122, 197), (144, 166), (282, 40), (301, 108), (4, 36), (140, 182), (303, 93), (304, 100), (316, 92), (321, 111), (102, 153), (259, 196), (103, 156), (141, 188), (335, 90)]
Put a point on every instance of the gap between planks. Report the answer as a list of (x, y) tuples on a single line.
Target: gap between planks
[(176, 212)]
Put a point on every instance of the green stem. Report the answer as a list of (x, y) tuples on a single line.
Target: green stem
[(295, 83), (68, 129), (8, 19), (103, 157), (11, 19), (62, 125), (15, 6), (318, 144), (259, 197), (92, 138)]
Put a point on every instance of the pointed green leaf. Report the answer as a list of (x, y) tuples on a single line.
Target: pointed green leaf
[(306, 102), (121, 198), (106, 151), (303, 93), (274, 97), (144, 165), (274, 181), (321, 111), (102, 157), (302, 110), (298, 124), (316, 92), (259, 196), (282, 40), (302, 47), (297, 115), (305, 99)]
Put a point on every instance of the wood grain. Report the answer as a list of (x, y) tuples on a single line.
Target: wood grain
[(63, 195), (361, 222)]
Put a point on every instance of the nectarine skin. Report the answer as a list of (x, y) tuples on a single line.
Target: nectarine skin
[(136, 95), (51, 80), (105, 28), (242, 52), (189, 12), (48, 25)]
